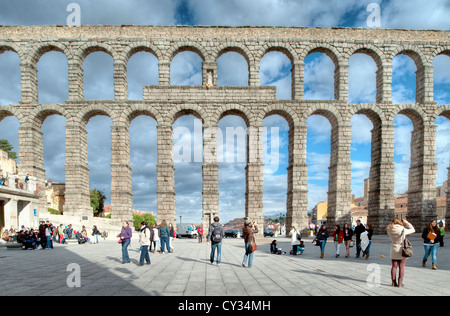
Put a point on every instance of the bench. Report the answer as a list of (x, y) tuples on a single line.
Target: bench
[(12, 245)]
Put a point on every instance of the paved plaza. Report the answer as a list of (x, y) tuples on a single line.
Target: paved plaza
[(187, 272)]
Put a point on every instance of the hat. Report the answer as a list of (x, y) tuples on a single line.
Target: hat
[(247, 221)]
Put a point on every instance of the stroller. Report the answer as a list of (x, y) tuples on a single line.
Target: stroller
[(80, 238), (299, 248)]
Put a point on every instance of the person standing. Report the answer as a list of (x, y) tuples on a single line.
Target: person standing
[(366, 248), (172, 235), (348, 235), (442, 230), (358, 230), (144, 243), (295, 241), (338, 236), (250, 228), (431, 236), (156, 240), (397, 231), (125, 235), (215, 235), (164, 235), (200, 234), (95, 233), (322, 236), (43, 235)]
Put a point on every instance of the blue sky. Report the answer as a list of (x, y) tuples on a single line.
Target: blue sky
[(232, 70)]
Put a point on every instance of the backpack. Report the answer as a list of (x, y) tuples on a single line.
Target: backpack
[(216, 235)]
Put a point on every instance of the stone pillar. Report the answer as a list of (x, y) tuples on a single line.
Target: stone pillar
[(75, 73), (29, 83), (31, 154), (422, 176), (164, 72), (253, 75), (209, 73), (210, 172), (341, 82), (165, 175), (120, 81), (121, 190), (298, 77), (254, 172), (424, 84), (384, 81), (77, 197), (381, 188), (339, 183), (297, 192)]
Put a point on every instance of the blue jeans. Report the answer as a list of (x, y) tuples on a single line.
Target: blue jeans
[(125, 257), (164, 243), (322, 245), (144, 255), (248, 255), (49, 242), (430, 249), (214, 246)]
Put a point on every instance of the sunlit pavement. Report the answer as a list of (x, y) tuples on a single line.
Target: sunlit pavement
[(97, 270)]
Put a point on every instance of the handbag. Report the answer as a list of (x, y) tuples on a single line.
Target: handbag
[(407, 250), (352, 243), (120, 241), (253, 247), (316, 242)]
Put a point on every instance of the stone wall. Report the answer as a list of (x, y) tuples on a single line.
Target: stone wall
[(253, 103)]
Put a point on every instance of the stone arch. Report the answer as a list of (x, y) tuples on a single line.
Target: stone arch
[(140, 47), (417, 116), (133, 111), (441, 111), (41, 112), (286, 49), (372, 111), (182, 109), (285, 112), (6, 111), (411, 51), (329, 111), (328, 50), (92, 47), (234, 109), (36, 54), (191, 47), (235, 48), (374, 52), (94, 110), (5, 47), (442, 50)]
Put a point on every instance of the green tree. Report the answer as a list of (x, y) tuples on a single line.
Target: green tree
[(146, 217), (7, 147), (97, 201)]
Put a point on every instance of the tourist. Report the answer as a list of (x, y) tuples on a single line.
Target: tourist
[(215, 235), (358, 230), (200, 234), (172, 235), (125, 237), (442, 230), (397, 231), (367, 242), (164, 235), (348, 235), (295, 240), (431, 235), (61, 233), (144, 243), (95, 233), (250, 228), (48, 235), (322, 236), (338, 236), (156, 240), (42, 235), (274, 248)]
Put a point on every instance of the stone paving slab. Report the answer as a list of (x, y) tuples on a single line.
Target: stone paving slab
[(187, 272)]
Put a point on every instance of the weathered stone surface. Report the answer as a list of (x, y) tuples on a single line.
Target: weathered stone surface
[(253, 103)]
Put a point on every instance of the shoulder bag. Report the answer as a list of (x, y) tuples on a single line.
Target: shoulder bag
[(407, 250)]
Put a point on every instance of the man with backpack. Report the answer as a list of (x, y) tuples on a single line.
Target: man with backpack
[(215, 235)]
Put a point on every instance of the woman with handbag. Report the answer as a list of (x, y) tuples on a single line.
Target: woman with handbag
[(125, 238), (431, 235), (250, 228), (295, 240), (322, 236), (348, 235), (398, 230)]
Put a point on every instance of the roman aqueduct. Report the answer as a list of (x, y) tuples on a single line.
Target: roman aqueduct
[(165, 103)]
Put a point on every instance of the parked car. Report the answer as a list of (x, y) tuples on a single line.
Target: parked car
[(233, 233), (268, 232), (186, 230)]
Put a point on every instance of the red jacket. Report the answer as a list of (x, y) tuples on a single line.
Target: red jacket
[(340, 236)]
